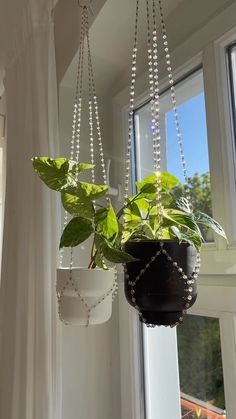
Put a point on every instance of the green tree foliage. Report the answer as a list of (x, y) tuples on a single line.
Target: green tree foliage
[(200, 363), (200, 193)]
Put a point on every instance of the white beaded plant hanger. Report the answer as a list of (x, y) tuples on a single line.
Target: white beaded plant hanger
[(75, 152), (153, 76)]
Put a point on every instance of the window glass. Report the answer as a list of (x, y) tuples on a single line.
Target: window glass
[(191, 108), (192, 115), (200, 368)]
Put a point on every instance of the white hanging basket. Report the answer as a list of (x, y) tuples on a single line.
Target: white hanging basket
[(85, 295)]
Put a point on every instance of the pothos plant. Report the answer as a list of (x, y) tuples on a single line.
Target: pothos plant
[(140, 219), (159, 227), (89, 217), (174, 219)]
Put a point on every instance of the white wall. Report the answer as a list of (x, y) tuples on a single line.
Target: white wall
[(90, 356)]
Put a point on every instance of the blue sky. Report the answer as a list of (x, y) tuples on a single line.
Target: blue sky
[(193, 126)]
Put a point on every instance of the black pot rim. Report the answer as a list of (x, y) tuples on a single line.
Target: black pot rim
[(177, 242)]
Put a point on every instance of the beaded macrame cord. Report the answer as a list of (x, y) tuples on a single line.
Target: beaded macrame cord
[(74, 155), (153, 77)]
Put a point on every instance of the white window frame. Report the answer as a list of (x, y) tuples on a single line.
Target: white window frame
[(207, 48)]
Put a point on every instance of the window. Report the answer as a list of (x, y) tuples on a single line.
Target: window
[(192, 115), (216, 302), (191, 101), (191, 395), (200, 368)]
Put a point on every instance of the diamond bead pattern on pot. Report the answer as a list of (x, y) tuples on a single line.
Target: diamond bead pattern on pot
[(188, 281), (70, 285)]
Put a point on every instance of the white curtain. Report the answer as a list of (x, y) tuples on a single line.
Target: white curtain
[(30, 376)]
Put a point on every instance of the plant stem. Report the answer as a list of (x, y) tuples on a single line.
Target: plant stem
[(120, 212), (92, 263), (93, 248)]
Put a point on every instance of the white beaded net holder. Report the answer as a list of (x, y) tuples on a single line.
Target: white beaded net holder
[(154, 93), (81, 102)]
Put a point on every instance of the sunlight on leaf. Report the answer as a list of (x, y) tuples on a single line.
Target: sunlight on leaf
[(106, 223), (77, 206), (53, 172), (148, 185)]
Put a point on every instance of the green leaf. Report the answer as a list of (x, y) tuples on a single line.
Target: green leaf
[(127, 234), (86, 190), (192, 238), (148, 185), (131, 225), (148, 188), (181, 204), (148, 182), (76, 232), (168, 181), (134, 229), (130, 229), (106, 223), (84, 166), (91, 190), (165, 234), (99, 260), (209, 222), (181, 219), (71, 190), (111, 253), (154, 221), (116, 256), (53, 172), (132, 213), (142, 204), (166, 199), (147, 230), (77, 206)]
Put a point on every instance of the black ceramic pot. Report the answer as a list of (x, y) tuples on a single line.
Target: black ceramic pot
[(161, 292)]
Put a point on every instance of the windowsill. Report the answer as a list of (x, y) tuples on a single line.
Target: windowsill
[(217, 280)]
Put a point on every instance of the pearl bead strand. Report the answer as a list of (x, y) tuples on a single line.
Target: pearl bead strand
[(131, 106), (74, 155)]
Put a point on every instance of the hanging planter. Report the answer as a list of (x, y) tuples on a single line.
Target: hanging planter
[(85, 295), (163, 289), (160, 228), (164, 237), (156, 234)]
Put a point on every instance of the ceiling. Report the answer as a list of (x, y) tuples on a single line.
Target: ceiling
[(112, 35)]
